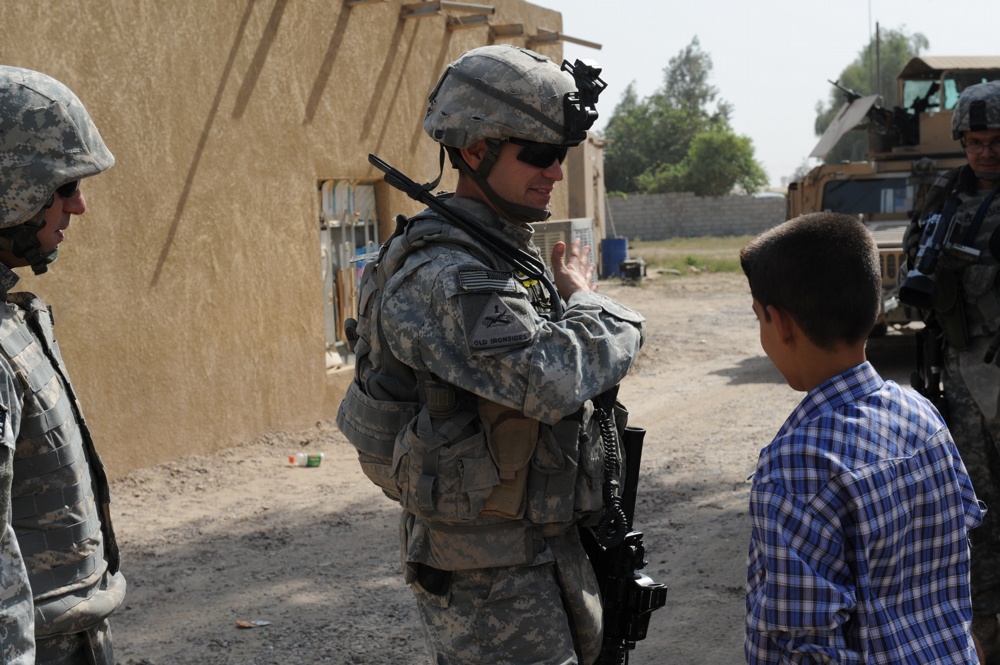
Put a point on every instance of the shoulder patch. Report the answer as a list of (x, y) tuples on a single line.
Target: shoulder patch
[(481, 279), (498, 326)]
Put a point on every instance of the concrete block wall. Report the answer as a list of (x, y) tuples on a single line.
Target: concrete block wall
[(684, 215)]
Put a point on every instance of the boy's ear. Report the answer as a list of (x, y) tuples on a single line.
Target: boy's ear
[(783, 323)]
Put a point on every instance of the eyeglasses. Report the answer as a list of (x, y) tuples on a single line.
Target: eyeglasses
[(539, 155), (69, 189), (974, 147)]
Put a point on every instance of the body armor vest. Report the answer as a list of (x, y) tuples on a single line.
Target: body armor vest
[(60, 492), (966, 298), (481, 482)]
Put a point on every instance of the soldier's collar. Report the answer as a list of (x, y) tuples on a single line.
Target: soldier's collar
[(8, 278)]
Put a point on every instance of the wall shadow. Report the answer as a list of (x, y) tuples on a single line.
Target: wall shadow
[(202, 142), (326, 68), (259, 57), (439, 65)]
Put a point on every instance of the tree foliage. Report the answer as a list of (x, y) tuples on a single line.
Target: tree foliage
[(894, 50), (716, 162), (652, 142)]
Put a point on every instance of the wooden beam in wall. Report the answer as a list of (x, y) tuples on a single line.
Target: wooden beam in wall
[(469, 21), (550, 36), (507, 30), (437, 7)]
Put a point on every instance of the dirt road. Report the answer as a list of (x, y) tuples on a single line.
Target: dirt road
[(239, 536)]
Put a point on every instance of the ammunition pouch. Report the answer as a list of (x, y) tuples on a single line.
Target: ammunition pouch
[(979, 282), (372, 427), (443, 469), (949, 308), (511, 438)]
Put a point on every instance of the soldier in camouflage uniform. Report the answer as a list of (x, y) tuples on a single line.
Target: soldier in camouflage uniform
[(498, 457), (966, 305), (59, 493)]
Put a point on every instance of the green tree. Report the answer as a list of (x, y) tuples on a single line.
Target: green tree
[(652, 137), (716, 161), (895, 48), (641, 135)]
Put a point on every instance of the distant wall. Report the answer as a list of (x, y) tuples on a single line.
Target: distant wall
[(684, 215)]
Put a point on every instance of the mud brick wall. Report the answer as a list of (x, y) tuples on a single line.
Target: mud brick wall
[(684, 215)]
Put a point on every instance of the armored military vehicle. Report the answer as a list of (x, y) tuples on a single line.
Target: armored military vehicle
[(908, 147)]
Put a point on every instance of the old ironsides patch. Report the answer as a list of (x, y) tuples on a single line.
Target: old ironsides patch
[(498, 326)]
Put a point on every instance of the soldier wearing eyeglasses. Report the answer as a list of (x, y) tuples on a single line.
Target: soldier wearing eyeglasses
[(60, 579), (488, 382), (965, 307)]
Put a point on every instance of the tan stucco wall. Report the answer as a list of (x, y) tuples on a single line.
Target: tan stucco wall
[(188, 299)]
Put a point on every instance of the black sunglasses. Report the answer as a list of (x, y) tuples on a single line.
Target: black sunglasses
[(69, 189), (540, 155)]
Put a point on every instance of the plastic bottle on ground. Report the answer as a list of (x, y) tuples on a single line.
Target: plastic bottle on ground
[(305, 459)]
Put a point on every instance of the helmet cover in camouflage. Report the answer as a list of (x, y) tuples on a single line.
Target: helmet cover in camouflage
[(47, 139), (978, 109), (500, 92)]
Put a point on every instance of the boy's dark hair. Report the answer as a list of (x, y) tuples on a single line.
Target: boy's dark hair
[(823, 269)]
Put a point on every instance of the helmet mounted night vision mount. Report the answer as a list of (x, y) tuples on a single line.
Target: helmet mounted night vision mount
[(580, 107)]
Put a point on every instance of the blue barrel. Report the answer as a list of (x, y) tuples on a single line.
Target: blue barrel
[(613, 252)]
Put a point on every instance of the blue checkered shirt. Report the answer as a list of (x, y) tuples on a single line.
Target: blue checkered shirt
[(860, 512)]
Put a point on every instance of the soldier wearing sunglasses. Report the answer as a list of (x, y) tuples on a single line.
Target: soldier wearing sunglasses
[(60, 579), (964, 317), (481, 388)]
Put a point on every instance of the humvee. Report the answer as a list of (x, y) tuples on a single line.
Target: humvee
[(908, 147)]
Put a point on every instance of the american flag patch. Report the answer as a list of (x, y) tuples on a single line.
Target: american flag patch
[(487, 280)]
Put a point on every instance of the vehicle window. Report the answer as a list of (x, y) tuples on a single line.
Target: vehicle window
[(956, 82), (921, 96), (868, 197)]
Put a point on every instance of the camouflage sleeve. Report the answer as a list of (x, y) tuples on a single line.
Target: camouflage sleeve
[(476, 328), (10, 419), (17, 613)]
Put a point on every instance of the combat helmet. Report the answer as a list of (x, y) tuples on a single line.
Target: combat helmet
[(978, 109), (47, 139), (501, 92)]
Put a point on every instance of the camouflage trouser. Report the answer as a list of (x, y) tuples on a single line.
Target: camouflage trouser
[(92, 647), (977, 437), (17, 614), (498, 616)]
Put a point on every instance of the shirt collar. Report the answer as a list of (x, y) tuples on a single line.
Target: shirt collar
[(511, 233), (834, 393)]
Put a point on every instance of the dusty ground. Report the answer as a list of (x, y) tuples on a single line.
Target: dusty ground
[(240, 536)]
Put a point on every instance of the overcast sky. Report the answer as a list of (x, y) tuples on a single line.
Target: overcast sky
[(771, 58)]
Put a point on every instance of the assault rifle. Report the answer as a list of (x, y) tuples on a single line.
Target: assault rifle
[(926, 379), (628, 597)]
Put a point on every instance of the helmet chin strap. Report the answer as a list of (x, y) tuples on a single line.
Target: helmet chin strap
[(22, 242), (512, 211)]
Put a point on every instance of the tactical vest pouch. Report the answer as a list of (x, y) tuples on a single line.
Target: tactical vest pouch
[(568, 470), (552, 490), (444, 469), (950, 310), (372, 427), (590, 477), (511, 438), (980, 285)]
